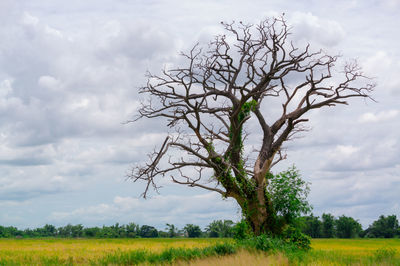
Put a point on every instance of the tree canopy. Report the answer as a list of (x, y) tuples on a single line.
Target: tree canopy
[(384, 227)]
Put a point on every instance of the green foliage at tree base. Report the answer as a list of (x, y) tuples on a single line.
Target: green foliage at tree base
[(296, 237), (242, 230), (291, 238)]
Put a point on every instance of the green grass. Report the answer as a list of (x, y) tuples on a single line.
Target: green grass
[(167, 256), (51, 251), (350, 252)]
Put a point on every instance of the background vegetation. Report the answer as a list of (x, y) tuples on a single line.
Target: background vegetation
[(327, 226)]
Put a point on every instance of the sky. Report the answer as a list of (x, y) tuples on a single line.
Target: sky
[(69, 77)]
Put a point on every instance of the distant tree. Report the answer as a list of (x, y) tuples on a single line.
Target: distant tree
[(148, 231), (328, 225), (106, 232), (91, 232), (132, 230), (208, 101), (9, 231), (77, 230), (219, 228), (172, 230), (163, 234), (384, 227), (30, 233), (50, 230), (347, 227), (213, 229), (46, 231), (311, 225), (192, 230), (65, 231)]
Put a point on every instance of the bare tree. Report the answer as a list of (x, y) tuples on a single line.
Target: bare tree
[(207, 103)]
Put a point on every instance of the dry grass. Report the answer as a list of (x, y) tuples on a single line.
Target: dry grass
[(242, 258)]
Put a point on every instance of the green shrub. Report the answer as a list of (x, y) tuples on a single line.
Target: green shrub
[(242, 230), (296, 237), (224, 248), (263, 243)]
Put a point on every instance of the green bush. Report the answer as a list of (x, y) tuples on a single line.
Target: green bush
[(224, 248), (242, 231), (296, 237), (266, 243)]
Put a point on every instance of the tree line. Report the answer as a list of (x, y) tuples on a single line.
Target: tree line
[(217, 228), (343, 226), (327, 226)]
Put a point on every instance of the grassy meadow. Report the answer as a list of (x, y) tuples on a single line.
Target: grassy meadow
[(192, 252), (85, 251)]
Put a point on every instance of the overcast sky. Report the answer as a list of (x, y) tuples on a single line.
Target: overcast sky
[(69, 73)]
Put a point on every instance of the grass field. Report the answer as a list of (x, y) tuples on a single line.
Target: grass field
[(84, 251), (123, 251)]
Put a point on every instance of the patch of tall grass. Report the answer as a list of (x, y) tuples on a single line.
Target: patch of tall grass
[(168, 256), (241, 258)]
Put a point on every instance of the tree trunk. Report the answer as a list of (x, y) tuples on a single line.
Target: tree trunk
[(258, 210), (259, 213), (257, 217)]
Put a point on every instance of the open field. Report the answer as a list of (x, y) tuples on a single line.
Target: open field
[(83, 251), (121, 251), (354, 252)]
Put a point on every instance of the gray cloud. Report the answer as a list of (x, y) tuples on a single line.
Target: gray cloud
[(69, 74), (21, 161)]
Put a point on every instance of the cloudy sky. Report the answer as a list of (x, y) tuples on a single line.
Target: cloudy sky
[(69, 74)]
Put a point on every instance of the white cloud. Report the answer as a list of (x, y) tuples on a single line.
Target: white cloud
[(30, 20), (384, 154), (310, 27), (342, 150), (49, 82), (392, 3), (379, 62), (5, 88), (378, 117)]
